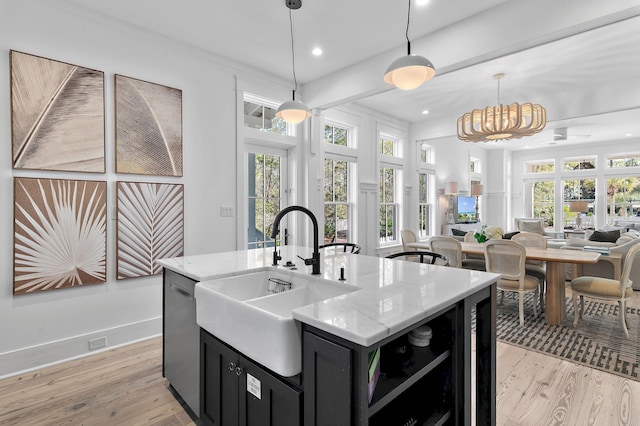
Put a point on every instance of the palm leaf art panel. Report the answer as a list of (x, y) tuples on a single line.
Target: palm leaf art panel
[(59, 234), (148, 128), (150, 226), (57, 115)]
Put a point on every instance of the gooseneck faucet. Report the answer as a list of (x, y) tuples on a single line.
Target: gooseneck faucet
[(315, 259)]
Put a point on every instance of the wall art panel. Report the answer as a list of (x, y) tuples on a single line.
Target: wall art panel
[(150, 226), (57, 115), (59, 234), (148, 128)]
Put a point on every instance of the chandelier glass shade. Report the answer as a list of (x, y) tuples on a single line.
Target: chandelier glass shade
[(502, 122)]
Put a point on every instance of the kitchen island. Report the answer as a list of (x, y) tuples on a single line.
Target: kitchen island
[(340, 336)]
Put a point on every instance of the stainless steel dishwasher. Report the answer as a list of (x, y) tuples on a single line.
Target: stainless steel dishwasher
[(181, 338)]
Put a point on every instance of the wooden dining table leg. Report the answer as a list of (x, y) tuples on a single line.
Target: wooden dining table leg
[(555, 309)]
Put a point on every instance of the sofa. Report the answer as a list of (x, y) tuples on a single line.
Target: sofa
[(618, 241)]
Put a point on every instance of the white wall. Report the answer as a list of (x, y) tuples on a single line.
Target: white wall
[(42, 328)]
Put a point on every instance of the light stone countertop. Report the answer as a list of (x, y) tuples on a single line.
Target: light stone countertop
[(393, 294)]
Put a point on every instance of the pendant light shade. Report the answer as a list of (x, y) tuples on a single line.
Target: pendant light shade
[(409, 72), (293, 112)]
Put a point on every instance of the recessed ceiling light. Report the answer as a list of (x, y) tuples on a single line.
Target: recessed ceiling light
[(425, 112), (421, 2), (317, 51), (629, 134)]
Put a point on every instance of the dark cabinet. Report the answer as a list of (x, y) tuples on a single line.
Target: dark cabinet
[(415, 384), (237, 391)]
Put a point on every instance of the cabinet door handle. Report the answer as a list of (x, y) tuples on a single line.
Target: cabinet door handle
[(238, 371), (232, 366)]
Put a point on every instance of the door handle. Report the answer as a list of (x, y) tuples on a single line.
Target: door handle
[(232, 366), (238, 371)]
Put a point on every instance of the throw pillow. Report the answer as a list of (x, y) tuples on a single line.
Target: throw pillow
[(605, 236), (458, 232), (631, 235), (624, 238), (509, 235)]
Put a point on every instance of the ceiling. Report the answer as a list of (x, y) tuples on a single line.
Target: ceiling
[(587, 80)]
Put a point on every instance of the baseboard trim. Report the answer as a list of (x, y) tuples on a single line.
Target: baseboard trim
[(31, 358)]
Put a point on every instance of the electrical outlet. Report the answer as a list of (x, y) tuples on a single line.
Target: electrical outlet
[(100, 342), (226, 211)]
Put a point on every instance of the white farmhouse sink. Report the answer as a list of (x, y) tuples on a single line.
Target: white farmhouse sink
[(241, 312)]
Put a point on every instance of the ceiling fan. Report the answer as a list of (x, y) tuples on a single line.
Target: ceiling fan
[(560, 134)]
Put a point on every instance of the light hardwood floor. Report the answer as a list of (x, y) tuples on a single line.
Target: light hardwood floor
[(124, 386)]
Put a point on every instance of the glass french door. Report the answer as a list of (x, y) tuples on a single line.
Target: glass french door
[(267, 182)]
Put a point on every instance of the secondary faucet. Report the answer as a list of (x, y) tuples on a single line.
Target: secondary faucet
[(315, 259)]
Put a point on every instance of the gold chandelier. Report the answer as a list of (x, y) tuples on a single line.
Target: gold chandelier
[(502, 122)]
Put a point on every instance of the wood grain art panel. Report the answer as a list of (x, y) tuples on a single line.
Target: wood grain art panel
[(150, 226), (148, 128), (57, 115), (59, 234)]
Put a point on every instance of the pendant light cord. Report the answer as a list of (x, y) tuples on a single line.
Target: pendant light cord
[(293, 57), (407, 31)]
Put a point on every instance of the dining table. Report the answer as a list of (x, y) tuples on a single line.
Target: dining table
[(554, 258)]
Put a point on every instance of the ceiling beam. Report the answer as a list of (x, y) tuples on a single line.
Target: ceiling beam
[(509, 28)]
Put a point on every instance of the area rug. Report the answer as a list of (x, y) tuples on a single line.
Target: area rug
[(598, 341)]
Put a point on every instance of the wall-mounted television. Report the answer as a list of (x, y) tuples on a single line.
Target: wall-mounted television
[(465, 209)]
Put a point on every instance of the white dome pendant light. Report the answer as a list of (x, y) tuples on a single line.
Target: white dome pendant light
[(293, 112), (409, 72)]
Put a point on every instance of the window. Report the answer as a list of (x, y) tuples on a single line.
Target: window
[(623, 160), (389, 206), (262, 117), (264, 180), (623, 198), (337, 209), (546, 166), (336, 135), (579, 190), (427, 153), (579, 164), (474, 165), (543, 196), (425, 205), (389, 146)]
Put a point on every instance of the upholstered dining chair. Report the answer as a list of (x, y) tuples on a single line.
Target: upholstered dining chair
[(607, 289), (407, 236), (449, 247), (473, 261), (535, 268), (506, 257)]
